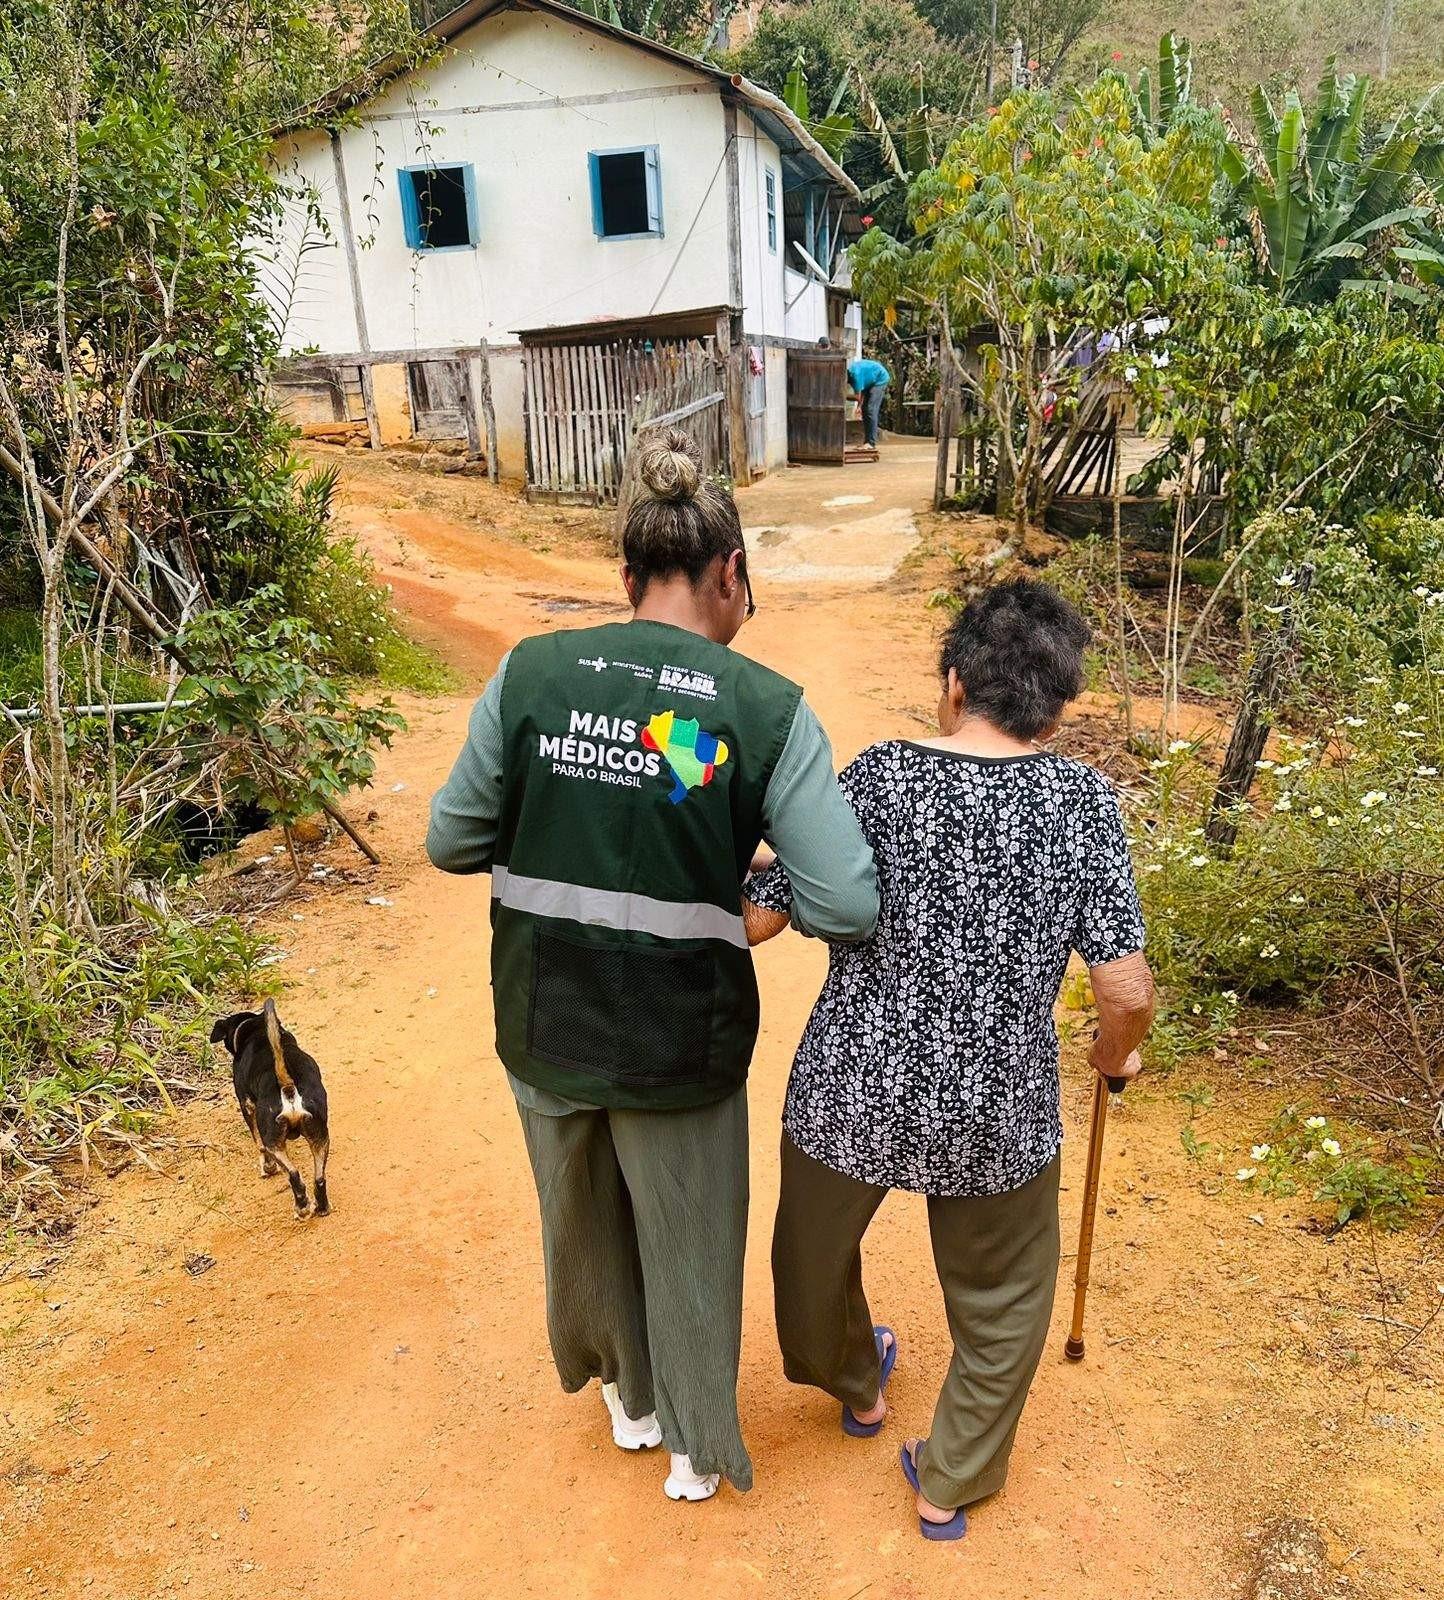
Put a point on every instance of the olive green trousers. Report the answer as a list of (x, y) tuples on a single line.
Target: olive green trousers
[(644, 1227), (997, 1262)]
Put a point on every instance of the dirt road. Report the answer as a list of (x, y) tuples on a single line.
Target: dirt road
[(364, 1406)]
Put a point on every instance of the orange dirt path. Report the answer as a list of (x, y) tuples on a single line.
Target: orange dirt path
[(364, 1406)]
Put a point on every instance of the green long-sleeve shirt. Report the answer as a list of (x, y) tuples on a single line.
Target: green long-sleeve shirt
[(804, 818)]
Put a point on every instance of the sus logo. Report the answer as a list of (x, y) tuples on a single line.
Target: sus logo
[(692, 756)]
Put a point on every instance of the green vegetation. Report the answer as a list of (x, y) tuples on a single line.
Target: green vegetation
[(1268, 305), (158, 541)]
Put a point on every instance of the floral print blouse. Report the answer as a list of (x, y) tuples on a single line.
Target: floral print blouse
[(930, 1061)]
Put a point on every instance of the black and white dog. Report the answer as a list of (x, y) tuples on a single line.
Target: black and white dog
[(281, 1096)]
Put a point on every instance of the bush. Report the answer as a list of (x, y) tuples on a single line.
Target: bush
[(91, 1041), (288, 738)]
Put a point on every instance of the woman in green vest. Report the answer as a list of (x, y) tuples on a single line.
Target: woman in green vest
[(616, 782)]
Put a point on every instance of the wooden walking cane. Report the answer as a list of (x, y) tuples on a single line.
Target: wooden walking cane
[(1101, 1090)]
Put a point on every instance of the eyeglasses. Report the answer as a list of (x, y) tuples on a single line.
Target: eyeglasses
[(747, 585)]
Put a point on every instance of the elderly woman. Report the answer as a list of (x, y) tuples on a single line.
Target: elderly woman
[(930, 1062)]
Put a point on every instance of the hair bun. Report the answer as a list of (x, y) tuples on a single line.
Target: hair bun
[(669, 468)]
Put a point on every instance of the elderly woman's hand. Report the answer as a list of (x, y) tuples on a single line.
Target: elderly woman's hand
[(1129, 1070)]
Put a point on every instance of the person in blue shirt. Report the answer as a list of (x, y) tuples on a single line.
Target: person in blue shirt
[(868, 380)]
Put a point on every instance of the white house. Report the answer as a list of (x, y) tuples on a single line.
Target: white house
[(547, 218)]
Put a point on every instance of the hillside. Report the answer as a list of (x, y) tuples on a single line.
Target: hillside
[(1240, 44)]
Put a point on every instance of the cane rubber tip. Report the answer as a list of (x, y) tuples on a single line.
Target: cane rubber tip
[(1074, 1349)]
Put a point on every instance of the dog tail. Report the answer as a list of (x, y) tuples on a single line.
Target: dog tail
[(278, 1053)]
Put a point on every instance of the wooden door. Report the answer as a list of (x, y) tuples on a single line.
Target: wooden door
[(816, 405), (438, 399)]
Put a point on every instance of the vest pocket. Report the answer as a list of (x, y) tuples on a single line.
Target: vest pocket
[(629, 1013)]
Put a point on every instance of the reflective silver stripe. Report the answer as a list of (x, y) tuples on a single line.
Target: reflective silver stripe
[(611, 908)]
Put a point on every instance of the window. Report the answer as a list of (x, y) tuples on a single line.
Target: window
[(772, 210), (438, 207), (626, 193)]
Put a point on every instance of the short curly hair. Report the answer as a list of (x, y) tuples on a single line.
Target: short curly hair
[(1017, 649)]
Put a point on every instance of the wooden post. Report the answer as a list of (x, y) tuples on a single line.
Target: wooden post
[(1255, 717), (488, 413), (947, 426), (358, 303), (733, 354), (473, 413), (729, 341)]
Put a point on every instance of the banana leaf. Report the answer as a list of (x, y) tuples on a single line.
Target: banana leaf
[(874, 121), (794, 92)]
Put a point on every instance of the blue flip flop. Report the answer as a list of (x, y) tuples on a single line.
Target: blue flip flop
[(888, 1358), (956, 1525)]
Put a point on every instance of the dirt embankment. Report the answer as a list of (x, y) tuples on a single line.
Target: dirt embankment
[(365, 1407)]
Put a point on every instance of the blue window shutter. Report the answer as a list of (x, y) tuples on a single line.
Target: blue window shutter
[(654, 190), (595, 166), (473, 222), (410, 211)]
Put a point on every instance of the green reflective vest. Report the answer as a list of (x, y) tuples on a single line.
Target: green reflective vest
[(635, 761)]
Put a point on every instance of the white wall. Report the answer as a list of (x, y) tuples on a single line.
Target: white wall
[(761, 268), (807, 306), (492, 101), (776, 407)]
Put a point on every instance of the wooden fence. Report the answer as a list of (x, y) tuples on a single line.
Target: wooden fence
[(586, 402)]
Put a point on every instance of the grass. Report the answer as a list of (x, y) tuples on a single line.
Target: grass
[(402, 663), (95, 1042), (20, 678)]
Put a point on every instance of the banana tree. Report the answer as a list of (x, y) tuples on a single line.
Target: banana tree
[(1158, 103), (1330, 205), (835, 127), (905, 152)]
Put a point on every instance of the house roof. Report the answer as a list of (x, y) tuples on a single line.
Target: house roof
[(773, 114)]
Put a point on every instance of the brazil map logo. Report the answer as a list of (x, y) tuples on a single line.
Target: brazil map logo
[(692, 755)]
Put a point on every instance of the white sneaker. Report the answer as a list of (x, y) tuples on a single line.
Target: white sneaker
[(684, 1484), (640, 1434)]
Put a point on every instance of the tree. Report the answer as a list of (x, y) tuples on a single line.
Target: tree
[(1334, 207), (144, 474), (893, 49), (1046, 226)]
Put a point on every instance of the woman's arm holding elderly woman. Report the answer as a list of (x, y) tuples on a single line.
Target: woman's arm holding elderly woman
[(824, 880)]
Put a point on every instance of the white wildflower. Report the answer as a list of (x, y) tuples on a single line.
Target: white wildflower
[(1316, 811), (1245, 1173), (1401, 706), (1331, 1147), (1198, 861), (1285, 580), (1268, 951), (1296, 899), (1375, 797), (1178, 745), (1260, 1152), (1353, 722), (1426, 772), (1316, 1122), (1283, 803)]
